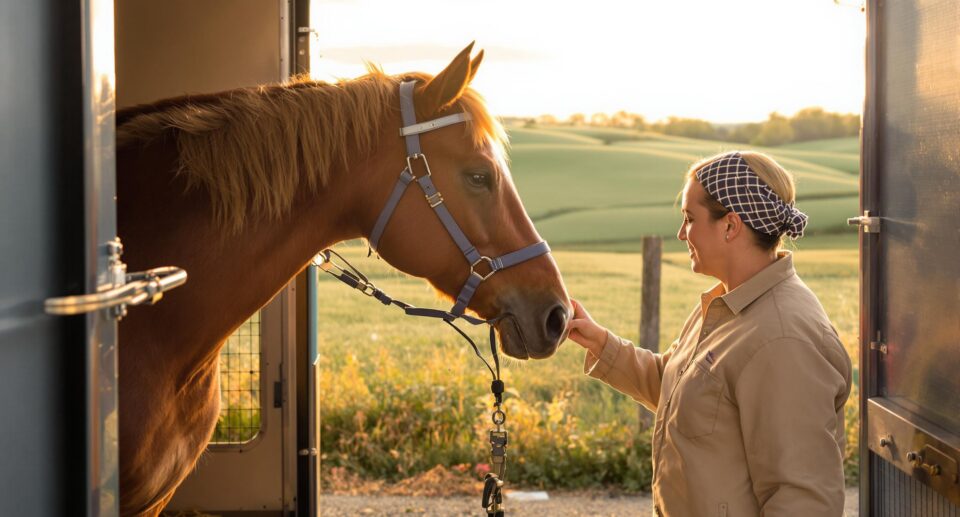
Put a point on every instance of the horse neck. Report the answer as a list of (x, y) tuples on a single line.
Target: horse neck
[(231, 274)]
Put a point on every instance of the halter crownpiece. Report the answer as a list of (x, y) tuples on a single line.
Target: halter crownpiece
[(729, 180), (411, 133)]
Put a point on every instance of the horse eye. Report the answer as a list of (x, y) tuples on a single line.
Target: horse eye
[(478, 179)]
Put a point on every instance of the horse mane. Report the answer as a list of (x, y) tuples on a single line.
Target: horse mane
[(254, 148)]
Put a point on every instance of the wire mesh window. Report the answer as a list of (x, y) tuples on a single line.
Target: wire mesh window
[(240, 393)]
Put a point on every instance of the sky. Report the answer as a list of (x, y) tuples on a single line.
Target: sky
[(723, 61)]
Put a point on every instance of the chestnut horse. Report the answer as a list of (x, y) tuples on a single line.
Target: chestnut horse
[(243, 187)]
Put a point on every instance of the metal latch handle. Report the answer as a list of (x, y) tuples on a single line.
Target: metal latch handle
[(869, 224), (146, 287)]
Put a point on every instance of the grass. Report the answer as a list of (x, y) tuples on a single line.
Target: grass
[(402, 394)]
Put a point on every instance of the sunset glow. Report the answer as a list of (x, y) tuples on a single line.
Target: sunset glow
[(730, 61)]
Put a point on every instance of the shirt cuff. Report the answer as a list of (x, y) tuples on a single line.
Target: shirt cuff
[(599, 367)]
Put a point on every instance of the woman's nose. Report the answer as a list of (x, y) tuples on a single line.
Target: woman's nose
[(681, 234)]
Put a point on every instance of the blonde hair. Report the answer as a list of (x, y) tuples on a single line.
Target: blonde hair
[(253, 149), (769, 171)]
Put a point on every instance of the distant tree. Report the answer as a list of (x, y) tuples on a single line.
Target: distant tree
[(599, 119), (547, 120), (851, 124), (744, 133), (627, 120), (577, 119), (807, 124), (639, 123), (817, 124), (775, 131), (689, 127), (813, 124)]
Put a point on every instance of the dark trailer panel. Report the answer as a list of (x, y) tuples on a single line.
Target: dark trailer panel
[(910, 249)]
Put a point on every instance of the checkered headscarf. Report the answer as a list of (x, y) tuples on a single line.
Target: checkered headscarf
[(731, 182)]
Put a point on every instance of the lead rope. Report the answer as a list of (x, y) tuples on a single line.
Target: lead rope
[(492, 498)]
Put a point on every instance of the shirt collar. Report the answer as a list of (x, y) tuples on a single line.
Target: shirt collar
[(707, 297), (747, 292)]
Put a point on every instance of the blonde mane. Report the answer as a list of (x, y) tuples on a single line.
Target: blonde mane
[(253, 149)]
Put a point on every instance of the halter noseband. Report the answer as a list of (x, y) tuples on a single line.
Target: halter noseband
[(411, 133)]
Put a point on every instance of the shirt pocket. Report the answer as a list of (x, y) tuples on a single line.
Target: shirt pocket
[(698, 402)]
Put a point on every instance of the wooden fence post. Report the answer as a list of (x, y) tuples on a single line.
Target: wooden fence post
[(650, 307)]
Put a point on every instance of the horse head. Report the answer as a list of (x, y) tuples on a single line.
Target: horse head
[(467, 164)]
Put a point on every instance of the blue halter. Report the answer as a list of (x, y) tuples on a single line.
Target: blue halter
[(492, 499), (411, 133)]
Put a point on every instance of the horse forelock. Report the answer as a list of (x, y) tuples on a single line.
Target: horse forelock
[(253, 149)]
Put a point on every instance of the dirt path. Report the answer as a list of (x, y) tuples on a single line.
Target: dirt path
[(559, 505)]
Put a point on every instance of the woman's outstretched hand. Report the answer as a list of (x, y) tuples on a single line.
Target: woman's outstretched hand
[(586, 332)]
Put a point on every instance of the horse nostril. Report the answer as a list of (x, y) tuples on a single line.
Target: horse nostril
[(556, 322)]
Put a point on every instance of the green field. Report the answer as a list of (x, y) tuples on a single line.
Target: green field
[(583, 190), (402, 395)]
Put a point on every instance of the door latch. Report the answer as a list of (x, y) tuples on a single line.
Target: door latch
[(122, 288), (868, 223)]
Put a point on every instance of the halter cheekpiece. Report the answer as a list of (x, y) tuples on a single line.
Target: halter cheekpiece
[(411, 134)]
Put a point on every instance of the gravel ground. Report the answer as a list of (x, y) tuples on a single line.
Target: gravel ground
[(559, 505)]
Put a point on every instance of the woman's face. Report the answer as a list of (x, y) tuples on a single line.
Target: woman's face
[(703, 234)]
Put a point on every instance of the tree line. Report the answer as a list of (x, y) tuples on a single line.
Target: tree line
[(807, 124)]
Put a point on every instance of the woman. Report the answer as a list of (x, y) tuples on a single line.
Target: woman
[(750, 398)]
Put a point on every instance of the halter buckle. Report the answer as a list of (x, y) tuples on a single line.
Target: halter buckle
[(367, 288), (434, 200), (421, 156), (490, 262)]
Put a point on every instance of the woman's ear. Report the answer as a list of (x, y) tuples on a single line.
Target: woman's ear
[(733, 226)]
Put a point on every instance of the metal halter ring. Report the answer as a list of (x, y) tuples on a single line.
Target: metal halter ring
[(493, 268), (499, 417), (426, 165)]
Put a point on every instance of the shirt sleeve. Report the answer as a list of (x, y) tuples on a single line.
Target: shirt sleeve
[(786, 395), (631, 370)]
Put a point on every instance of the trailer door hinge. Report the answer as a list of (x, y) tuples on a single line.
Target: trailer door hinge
[(879, 345), (868, 223), (278, 394)]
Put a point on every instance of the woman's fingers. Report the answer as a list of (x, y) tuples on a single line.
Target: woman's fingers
[(577, 307), (583, 330), (579, 311), (574, 326)]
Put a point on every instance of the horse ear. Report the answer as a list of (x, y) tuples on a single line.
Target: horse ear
[(474, 65), (446, 87)]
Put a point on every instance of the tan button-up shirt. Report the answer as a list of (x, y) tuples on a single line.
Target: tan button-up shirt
[(749, 402)]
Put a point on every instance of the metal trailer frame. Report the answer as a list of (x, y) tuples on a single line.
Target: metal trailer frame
[(910, 274)]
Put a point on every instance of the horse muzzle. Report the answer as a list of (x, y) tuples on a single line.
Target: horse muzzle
[(533, 331)]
